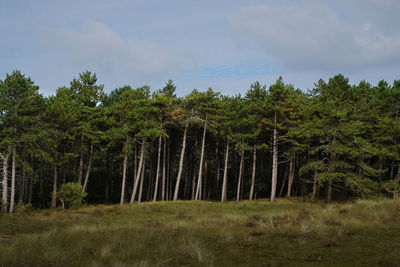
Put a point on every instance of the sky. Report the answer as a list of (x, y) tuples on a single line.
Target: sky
[(222, 44)]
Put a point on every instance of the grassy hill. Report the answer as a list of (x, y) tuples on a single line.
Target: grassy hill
[(199, 233)]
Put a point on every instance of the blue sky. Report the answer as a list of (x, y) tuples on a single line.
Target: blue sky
[(222, 44)]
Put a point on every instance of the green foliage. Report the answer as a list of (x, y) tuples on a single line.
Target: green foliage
[(344, 135), (71, 195), (24, 208)]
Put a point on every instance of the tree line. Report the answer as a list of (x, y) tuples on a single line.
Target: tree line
[(336, 141)]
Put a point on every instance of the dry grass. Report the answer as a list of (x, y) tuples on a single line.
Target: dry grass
[(205, 234)]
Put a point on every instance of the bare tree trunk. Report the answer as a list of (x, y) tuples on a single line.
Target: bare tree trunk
[(30, 190), (395, 143), (122, 200), (64, 177), (169, 179), (204, 188), (194, 171), (285, 176), (240, 176), (158, 169), (108, 174), (81, 163), (41, 186), (242, 186), (135, 164), (397, 180), (197, 197), (186, 180), (253, 175), (88, 168), (274, 164), (54, 194), (21, 187), (142, 179), (164, 170), (5, 178), (178, 179), (329, 192), (392, 169), (291, 173), (185, 185), (26, 189), (12, 200), (315, 187), (217, 170), (136, 183), (194, 181), (224, 183), (150, 182)]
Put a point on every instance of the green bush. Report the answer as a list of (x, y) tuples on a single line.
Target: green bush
[(23, 208), (71, 195)]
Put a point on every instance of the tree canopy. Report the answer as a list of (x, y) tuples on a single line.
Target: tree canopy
[(335, 141)]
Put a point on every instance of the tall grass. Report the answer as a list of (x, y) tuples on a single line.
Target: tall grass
[(198, 233)]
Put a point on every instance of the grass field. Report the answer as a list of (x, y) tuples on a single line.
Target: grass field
[(194, 233)]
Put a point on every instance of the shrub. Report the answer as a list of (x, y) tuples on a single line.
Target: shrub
[(23, 208), (71, 195)]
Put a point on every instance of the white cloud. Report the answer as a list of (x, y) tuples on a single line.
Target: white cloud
[(313, 37), (97, 46)]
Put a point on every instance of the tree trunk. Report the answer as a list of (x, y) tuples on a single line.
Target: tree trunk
[(242, 183), (122, 200), (163, 188), (5, 178), (41, 186), (285, 176), (194, 180), (54, 194), (291, 173), (397, 181), (135, 164), (81, 163), (30, 190), (142, 179), (21, 187), (150, 182), (253, 175), (158, 169), (198, 195), (274, 164), (392, 169), (88, 168), (12, 200), (329, 192), (136, 182), (224, 183), (186, 181), (217, 168), (194, 174), (395, 143), (169, 184), (315, 187), (107, 191), (178, 179), (26, 189), (240, 176), (204, 188)]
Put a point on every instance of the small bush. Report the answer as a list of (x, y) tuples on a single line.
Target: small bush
[(23, 208), (71, 195)]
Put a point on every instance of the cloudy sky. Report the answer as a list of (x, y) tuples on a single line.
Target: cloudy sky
[(223, 44)]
